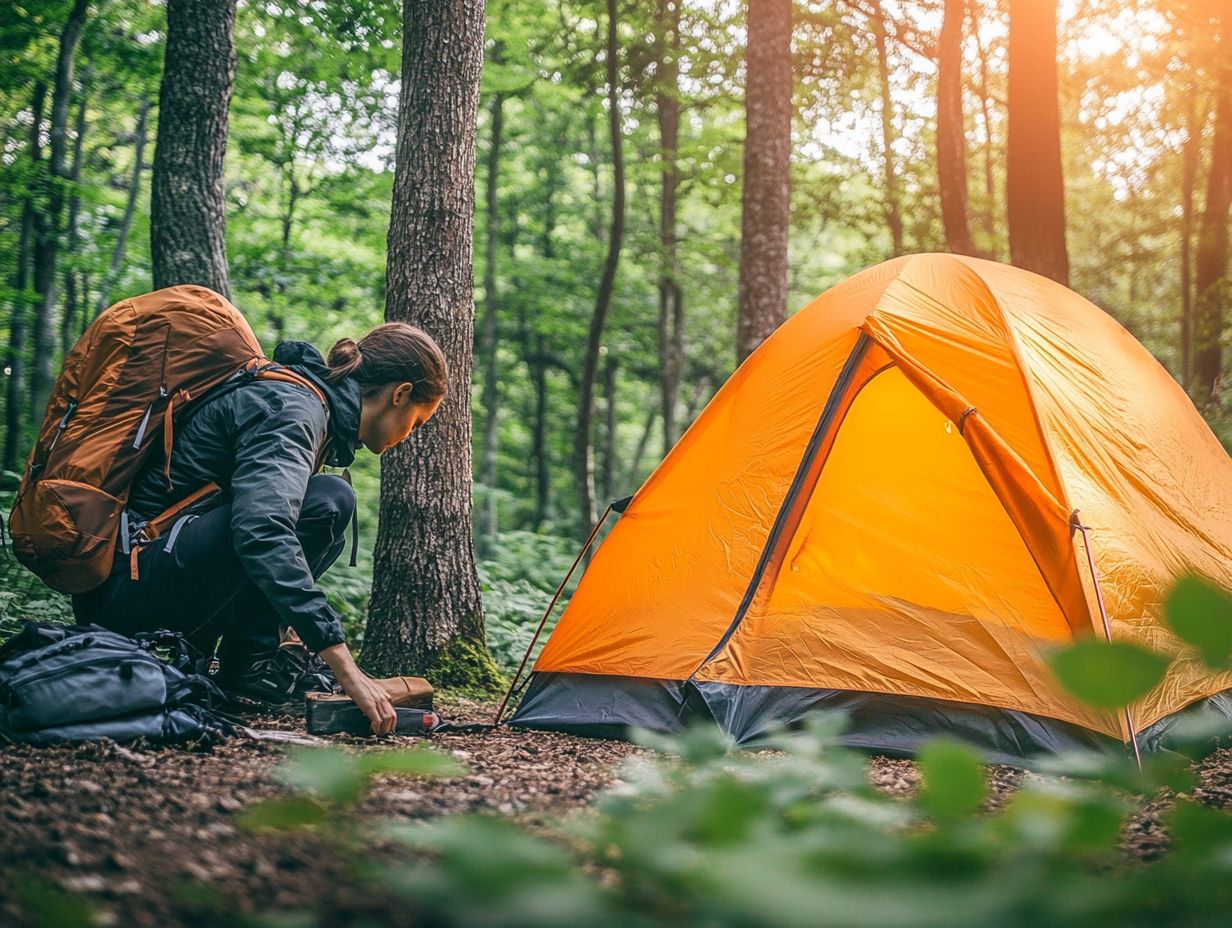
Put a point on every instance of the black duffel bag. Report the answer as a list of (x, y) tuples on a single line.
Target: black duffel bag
[(61, 684)]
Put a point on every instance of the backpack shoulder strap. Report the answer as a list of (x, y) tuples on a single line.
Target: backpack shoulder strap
[(266, 370)]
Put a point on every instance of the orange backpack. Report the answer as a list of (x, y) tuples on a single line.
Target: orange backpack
[(135, 370)]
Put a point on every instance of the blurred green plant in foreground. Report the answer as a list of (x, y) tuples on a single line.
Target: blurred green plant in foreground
[(797, 836)]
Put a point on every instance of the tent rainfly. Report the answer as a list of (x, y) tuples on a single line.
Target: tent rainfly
[(887, 509)]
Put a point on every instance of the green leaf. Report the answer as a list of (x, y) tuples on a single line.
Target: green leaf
[(1108, 675), (47, 905), (506, 78), (1095, 825), (953, 779), (331, 774), (421, 762), (1201, 614), (1199, 830), (281, 814)]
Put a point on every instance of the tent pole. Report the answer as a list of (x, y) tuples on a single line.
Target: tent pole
[(552, 605), (1103, 614)]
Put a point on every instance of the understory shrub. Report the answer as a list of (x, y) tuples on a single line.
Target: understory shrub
[(796, 836)]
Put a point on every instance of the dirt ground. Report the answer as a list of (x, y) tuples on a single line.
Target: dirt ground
[(150, 838)]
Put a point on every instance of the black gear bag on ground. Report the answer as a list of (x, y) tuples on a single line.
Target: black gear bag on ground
[(62, 684)]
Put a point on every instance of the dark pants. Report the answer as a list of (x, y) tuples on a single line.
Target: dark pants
[(200, 588)]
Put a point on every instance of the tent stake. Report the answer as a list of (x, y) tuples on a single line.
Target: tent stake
[(1103, 614), (552, 605)]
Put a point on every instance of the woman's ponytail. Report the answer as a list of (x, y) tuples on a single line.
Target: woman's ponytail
[(395, 352), (345, 359)]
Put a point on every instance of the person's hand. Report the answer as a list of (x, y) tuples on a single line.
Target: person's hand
[(373, 701), (363, 690)]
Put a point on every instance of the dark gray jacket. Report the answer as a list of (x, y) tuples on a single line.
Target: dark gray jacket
[(260, 443)]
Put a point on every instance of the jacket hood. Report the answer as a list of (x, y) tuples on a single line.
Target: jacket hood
[(344, 398)]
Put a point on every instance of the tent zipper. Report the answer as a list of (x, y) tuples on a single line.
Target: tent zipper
[(828, 412)]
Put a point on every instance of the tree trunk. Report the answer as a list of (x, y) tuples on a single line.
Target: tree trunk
[(635, 463), (539, 436), (47, 228), (1035, 187), (426, 613), (15, 398), (608, 474), (1190, 154), (766, 194), (84, 322), (951, 132), (490, 398), (278, 319), (893, 199), (536, 348), (130, 210), (1211, 266), (671, 312), (598, 230), (187, 201), (700, 397), (583, 456), (71, 301), (990, 183)]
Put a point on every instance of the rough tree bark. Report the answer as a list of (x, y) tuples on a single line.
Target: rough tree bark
[(893, 198), (766, 194), (15, 398), (426, 613), (951, 131), (130, 209), (671, 301), (47, 221), (1035, 185), (583, 450), (187, 200), (1211, 265), (490, 398)]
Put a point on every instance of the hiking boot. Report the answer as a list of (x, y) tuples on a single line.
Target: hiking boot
[(280, 677)]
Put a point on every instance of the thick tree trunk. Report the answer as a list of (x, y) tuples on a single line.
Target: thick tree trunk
[(583, 452), (893, 198), (671, 309), (426, 614), (766, 195), (1190, 154), (188, 202), (130, 210), (16, 399), (71, 301), (951, 132), (47, 228), (1211, 266), (490, 398), (1035, 187)]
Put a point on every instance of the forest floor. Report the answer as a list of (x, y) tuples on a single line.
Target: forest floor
[(150, 837)]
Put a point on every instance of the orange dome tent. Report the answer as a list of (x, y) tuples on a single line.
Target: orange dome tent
[(884, 510)]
